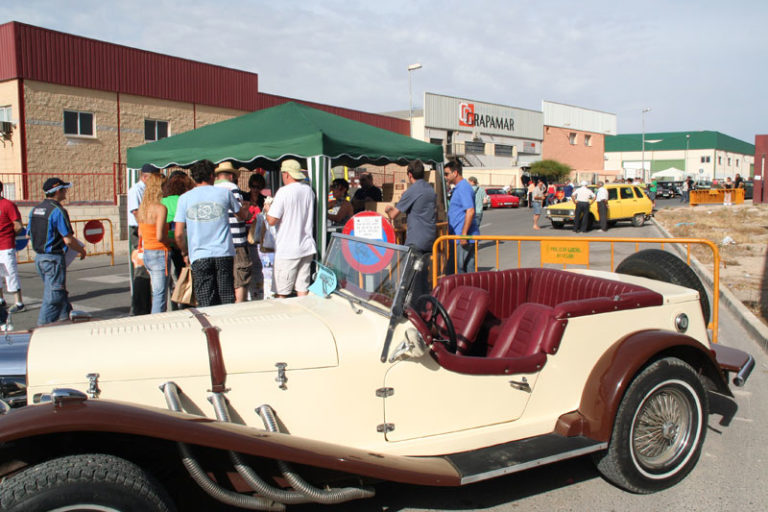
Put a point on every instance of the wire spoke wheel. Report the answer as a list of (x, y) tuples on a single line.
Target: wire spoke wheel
[(662, 429), (658, 430)]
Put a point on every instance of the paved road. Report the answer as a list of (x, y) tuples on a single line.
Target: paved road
[(728, 476)]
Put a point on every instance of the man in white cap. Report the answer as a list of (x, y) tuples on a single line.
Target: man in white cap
[(51, 235), (583, 197), (291, 211)]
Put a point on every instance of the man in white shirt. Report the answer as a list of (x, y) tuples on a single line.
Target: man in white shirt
[(291, 211), (583, 197), (602, 205)]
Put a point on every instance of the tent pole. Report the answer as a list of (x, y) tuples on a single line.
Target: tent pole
[(318, 167)]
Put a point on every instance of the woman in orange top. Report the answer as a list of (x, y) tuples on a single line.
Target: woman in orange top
[(153, 232)]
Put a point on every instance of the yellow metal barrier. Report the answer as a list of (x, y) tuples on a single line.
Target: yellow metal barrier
[(573, 253), (105, 246), (717, 196)]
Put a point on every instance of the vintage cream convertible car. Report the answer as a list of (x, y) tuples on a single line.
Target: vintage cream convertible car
[(311, 399)]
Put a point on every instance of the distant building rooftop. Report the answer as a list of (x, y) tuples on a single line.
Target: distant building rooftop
[(674, 141)]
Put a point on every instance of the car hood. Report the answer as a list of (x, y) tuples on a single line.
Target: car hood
[(253, 335)]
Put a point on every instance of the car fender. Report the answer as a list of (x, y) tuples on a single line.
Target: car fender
[(614, 371), (81, 415)]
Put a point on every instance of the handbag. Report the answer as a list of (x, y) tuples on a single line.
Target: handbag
[(183, 292), (137, 256), (262, 233)]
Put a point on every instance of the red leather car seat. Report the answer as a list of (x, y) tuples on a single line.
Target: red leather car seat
[(467, 307), (531, 329)]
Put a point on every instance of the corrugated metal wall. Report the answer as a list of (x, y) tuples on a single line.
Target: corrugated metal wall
[(65, 59), (444, 112), (8, 69), (59, 58), (388, 123), (577, 118)]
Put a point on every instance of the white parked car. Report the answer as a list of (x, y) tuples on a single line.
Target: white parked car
[(271, 403)]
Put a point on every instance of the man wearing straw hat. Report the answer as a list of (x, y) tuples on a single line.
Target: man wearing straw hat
[(226, 177), (291, 211)]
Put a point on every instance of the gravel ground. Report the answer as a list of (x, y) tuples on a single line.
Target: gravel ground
[(741, 233)]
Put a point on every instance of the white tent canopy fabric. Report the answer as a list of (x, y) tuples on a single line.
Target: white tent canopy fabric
[(672, 173)]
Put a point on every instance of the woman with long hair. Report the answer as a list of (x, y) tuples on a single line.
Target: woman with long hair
[(153, 232), (178, 183)]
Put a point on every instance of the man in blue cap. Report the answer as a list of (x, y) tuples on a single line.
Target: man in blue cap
[(51, 235), (141, 291)]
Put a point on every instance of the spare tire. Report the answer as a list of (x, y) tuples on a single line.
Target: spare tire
[(664, 266)]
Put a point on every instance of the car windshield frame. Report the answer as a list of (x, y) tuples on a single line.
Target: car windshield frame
[(383, 291)]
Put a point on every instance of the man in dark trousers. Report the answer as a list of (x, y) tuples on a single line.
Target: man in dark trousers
[(418, 203), (583, 197), (52, 236)]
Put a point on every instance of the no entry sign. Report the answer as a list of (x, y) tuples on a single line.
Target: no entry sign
[(93, 231), (22, 239), (364, 257)]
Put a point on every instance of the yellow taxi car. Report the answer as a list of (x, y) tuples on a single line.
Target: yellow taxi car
[(625, 202)]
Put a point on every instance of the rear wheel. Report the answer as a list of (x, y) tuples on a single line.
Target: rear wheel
[(659, 429), (638, 220), (664, 266), (83, 483)]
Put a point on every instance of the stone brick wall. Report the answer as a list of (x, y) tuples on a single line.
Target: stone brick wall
[(579, 156)]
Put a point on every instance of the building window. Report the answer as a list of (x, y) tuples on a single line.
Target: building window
[(729, 160), (5, 113), (155, 130), (573, 138), (78, 123), (719, 160), (737, 162), (705, 159), (504, 150), (587, 140), (476, 147)]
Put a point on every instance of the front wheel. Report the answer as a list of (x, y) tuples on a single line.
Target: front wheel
[(558, 224), (93, 482), (659, 429)]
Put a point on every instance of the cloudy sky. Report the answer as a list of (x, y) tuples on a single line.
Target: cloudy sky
[(699, 65)]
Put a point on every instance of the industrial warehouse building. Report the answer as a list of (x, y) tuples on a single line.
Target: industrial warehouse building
[(498, 143), (70, 106), (707, 156)]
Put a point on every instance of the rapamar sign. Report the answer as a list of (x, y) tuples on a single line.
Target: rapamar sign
[(468, 117)]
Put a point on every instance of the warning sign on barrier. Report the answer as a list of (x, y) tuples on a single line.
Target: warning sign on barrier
[(568, 253)]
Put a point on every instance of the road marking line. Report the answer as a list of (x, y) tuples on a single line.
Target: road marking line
[(113, 279)]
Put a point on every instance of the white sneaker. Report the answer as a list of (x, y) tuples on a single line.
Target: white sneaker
[(6, 327)]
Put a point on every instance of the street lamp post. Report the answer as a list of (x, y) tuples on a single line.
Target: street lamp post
[(687, 144), (411, 67), (646, 109)]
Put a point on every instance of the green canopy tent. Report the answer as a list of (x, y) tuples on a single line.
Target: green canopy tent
[(290, 130)]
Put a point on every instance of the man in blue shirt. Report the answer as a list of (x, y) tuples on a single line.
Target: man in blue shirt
[(461, 220), (202, 234), (51, 235)]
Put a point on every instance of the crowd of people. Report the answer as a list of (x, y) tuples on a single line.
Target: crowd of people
[(244, 245), (226, 237)]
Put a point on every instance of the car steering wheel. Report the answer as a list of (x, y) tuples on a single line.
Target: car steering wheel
[(431, 318)]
